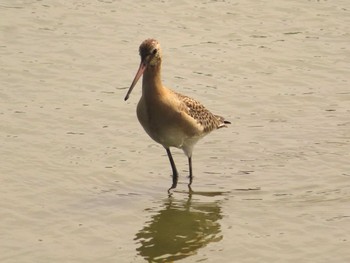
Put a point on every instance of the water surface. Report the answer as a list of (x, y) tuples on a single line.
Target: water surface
[(82, 182)]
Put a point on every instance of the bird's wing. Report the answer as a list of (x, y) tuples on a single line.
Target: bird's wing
[(198, 112)]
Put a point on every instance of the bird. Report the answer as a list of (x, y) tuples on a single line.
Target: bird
[(168, 117)]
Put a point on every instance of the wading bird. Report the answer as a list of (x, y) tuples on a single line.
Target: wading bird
[(169, 118)]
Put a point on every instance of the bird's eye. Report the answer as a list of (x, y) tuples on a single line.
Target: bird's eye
[(154, 51)]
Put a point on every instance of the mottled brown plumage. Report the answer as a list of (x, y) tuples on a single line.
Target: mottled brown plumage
[(204, 117)]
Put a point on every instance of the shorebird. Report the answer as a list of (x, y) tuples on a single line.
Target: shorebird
[(170, 118)]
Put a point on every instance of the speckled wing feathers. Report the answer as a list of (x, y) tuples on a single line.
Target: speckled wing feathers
[(203, 116)]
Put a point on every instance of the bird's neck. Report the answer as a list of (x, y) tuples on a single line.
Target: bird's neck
[(151, 81)]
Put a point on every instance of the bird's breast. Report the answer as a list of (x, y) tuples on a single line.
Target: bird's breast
[(165, 121)]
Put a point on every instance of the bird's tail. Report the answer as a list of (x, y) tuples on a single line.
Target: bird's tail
[(223, 122)]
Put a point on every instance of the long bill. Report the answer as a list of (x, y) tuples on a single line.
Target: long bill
[(137, 77)]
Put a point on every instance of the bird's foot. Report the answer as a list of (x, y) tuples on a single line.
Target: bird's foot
[(190, 191), (173, 186), (190, 177)]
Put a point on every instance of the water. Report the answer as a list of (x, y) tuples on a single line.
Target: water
[(82, 182)]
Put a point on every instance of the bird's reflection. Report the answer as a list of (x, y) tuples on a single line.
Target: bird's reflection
[(179, 229)]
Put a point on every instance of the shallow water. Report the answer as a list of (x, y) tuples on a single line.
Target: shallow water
[(82, 182)]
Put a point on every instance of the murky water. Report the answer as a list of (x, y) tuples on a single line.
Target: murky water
[(82, 182)]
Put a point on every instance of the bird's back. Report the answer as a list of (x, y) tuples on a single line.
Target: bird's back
[(207, 120)]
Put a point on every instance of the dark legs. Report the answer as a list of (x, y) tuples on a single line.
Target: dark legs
[(190, 167), (173, 167), (191, 175), (176, 174)]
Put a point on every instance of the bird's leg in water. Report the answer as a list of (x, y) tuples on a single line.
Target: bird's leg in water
[(173, 167), (190, 167)]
